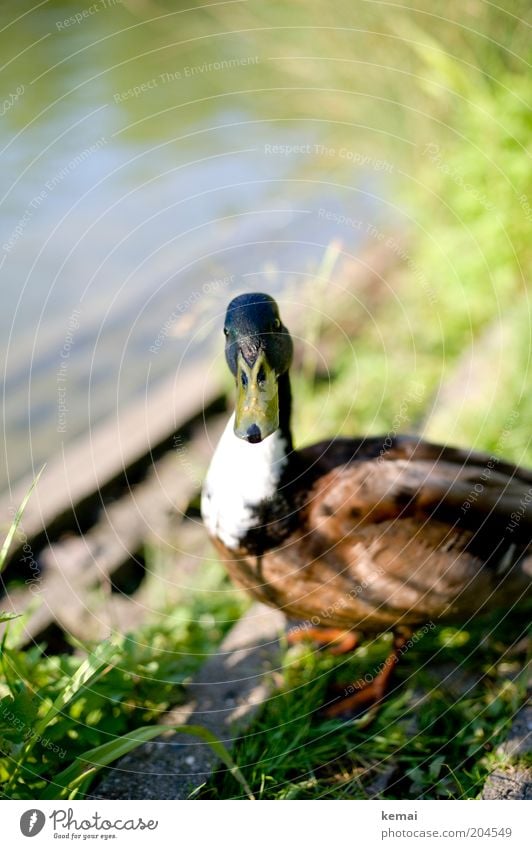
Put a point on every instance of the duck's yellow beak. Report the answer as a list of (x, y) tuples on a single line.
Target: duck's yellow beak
[(257, 403)]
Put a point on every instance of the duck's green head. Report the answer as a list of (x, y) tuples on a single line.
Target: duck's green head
[(258, 350)]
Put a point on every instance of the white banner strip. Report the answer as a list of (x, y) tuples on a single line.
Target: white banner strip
[(240, 824)]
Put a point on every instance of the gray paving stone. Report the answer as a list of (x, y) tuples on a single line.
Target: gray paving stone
[(513, 781), (227, 692)]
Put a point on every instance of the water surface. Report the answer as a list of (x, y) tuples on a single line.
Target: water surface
[(142, 187)]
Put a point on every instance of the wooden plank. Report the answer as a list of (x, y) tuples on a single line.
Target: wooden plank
[(87, 464), (105, 612), (77, 564)]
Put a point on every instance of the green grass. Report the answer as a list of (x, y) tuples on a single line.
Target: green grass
[(61, 714), (63, 717), (463, 288), (435, 735)]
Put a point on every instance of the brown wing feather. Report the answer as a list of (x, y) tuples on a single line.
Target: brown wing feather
[(427, 532), (413, 477)]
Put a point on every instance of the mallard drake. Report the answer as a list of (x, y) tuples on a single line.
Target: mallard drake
[(356, 536)]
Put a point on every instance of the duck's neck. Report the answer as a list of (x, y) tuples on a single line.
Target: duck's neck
[(243, 491), (285, 410)]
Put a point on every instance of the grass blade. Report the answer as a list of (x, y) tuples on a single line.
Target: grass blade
[(92, 668), (70, 781), (16, 522), (7, 617), (219, 749), (315, 318)]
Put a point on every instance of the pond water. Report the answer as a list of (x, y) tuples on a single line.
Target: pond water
[(144, 183)]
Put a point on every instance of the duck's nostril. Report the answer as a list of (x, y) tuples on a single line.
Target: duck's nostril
[(253, 433)]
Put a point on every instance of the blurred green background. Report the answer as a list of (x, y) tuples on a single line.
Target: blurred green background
[(152, 151)]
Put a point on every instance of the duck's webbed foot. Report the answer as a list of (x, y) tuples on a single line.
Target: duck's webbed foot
[(363, 694), (337, 640)]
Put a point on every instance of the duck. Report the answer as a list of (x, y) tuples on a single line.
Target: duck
[(355, 537)]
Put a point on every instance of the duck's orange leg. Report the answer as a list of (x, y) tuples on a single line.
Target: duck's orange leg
[(365, 693), (337, 640)]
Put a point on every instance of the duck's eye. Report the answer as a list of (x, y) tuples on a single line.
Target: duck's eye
[(276, 324), (243, 379)]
